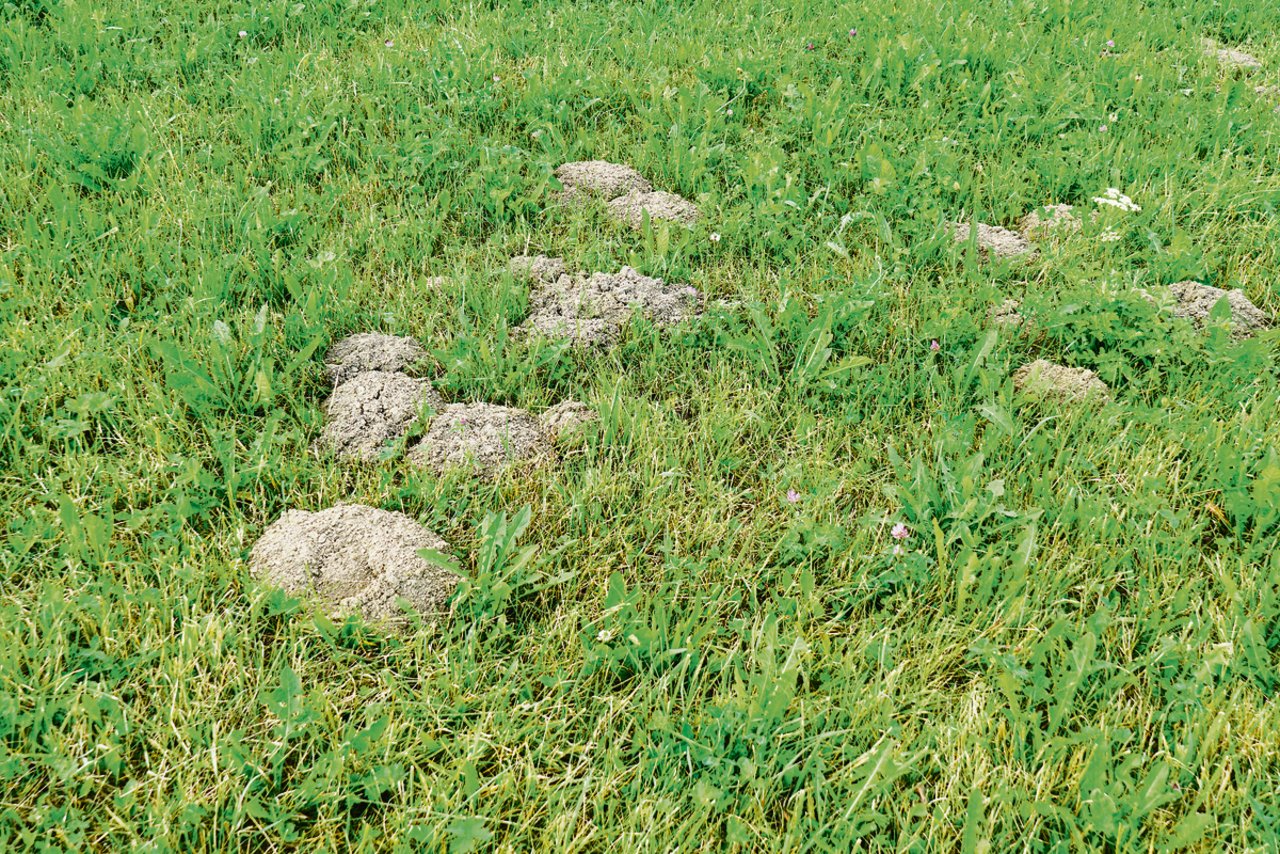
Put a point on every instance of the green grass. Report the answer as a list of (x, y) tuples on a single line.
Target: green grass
[(1080, 648)]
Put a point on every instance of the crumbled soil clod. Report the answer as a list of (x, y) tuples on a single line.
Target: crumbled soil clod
[(538, 267), (993, 240), (356, 560), (586, 178), (1071, 385), (1195, 301), (594, 309), (1007, 313), (1231, 57), (371, 351), (371, 409), (659, 205), (566, 418), (1049, 220), (481, 435)]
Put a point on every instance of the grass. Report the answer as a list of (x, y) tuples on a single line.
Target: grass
[(1080, 647)]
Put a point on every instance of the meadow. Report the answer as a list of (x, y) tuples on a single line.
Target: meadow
[(693, 633)]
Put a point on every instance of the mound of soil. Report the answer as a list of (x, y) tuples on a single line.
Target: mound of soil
[(586, 178), (659, 205), (993, 240), (1071, 385), (1231, 57), (537, 267), (371, 409), (566, 418), (356, 560), (1007, 313), (594, 309), (371, 351), (1049, 220), (480, 435), (1195, 301)]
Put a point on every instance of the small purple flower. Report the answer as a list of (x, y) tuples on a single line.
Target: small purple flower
[(792, 496), (809, 46), (390, 43), (934, 345), (1102, 129), (1111, 43), (897, 550), (853, 33), (900, 532)]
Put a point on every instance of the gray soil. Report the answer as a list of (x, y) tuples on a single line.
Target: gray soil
[(586, 178), (355, 560), (1195, 301), (659, 205), (566, 418), (371, 351), (1049, 220), (593, 309), (537, 267), (1006, 313), (992, 240), (1071, 385), (1231, 57), (482, 436), (371, 409)]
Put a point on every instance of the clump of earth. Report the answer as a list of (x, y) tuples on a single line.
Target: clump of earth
[(488, 438), (1048, 220), (373, 408), (1059, 382), (1231, 57), (538, 267), (1007, 313), (1195, 301), (355, 560), (659, 205), (992, 240), (594, 309), (586, 178), (371, 351)]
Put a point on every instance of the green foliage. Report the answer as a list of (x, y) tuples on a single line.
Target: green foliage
[(811, 585)]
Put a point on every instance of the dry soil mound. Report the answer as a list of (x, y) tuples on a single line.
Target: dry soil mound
[(992, 240), (1045, 379), (1231, 57), (1049, 220), (371, 351), (356, 560), (585, 178), (538, 267), (1006, 313), (1195, 301), (481, 435), (593, 309), (659, 205), (371, 409), (565, 418)]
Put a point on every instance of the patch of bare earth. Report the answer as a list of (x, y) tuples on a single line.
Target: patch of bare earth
[(658, 205), (992, 240), (371, 351), (1231, 57), (488, 438), (1049, 221), (584, 179), (371, 409), (355, 560), (1042, 378), (537, 267), (1195, 301), (593, 309)]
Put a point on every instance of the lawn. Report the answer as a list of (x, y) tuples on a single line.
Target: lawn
[(812, 582)]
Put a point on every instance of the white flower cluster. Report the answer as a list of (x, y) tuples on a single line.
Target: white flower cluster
[(1116, 199)]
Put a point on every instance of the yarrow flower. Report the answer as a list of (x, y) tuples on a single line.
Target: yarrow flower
[(390, 42), (729, 111), (1116, 199), (792, 496), (243, 34), (900, 532), (715, 237)]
